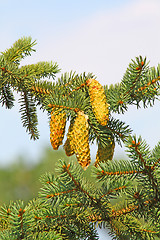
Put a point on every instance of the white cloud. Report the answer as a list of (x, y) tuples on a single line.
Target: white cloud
[(105, 43)]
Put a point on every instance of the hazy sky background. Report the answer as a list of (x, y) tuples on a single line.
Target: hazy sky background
[(96, 36), (92, 36)]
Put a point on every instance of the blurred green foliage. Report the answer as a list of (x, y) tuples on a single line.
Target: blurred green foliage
[(21, 180)]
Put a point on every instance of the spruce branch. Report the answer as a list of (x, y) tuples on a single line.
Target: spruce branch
[(40, 70), (28, 114), (139, 84), (7, 97), (20, 49), (125, 196), (141, 152), (75, 216)]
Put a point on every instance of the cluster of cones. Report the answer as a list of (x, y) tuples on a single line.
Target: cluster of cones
[(78, 133)]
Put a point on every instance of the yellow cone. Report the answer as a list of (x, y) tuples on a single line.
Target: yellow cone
[(98, 101), (69, 144), (105, 153), (57, 128), (81, 139)]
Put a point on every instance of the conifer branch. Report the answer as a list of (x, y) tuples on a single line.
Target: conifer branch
[(13, 76), (76, 89), (69, 206), (40, 90), (112, 190), (155, 164), (139, 84), (130, 208), (20, 49), (118, 173), (7, 97), (148, 170), (63, 107), (77, 184), (28, 115), (116, 169), (60, 193)]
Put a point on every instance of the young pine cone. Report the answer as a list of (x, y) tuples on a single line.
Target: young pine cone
[(69, 144), (79, 139), (57, 128), (105, 153), (98, 101)]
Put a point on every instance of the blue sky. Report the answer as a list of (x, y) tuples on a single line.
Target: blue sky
[(37, 18), (93, 36)]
